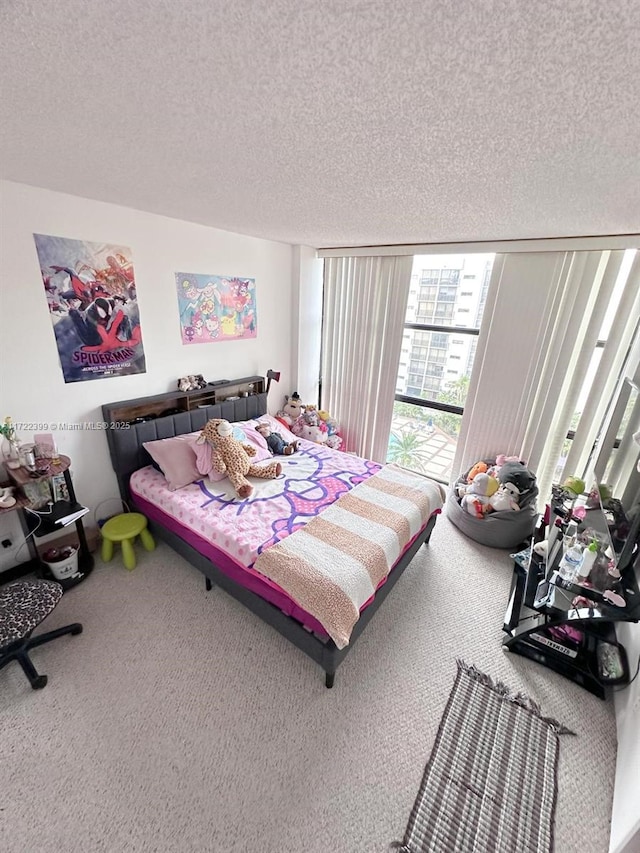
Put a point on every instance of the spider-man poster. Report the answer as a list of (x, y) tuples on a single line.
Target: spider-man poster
[(91, 294), (215, 307)]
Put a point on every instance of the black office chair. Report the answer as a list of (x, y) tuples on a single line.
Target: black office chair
[(23, 606)]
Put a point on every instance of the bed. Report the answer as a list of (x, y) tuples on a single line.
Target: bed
[(225, 538)]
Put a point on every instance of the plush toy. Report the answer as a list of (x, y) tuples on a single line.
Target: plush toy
[(506, 498), (518, 474), (310, 433), (312, 418), (192, 383), (277, 445), (309, 418), (476, 498), (232, 458), (334, 441), (291, 410), (478, 468), (501, 459)]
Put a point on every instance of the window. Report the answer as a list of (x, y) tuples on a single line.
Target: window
[(429, 398)]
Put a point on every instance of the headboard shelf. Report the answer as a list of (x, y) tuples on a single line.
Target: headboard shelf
[(173, 402)]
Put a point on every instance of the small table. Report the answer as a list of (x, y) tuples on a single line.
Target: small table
[(48, 522)]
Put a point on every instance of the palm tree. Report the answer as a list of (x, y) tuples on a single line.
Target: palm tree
[(407, 449), (455, 392)]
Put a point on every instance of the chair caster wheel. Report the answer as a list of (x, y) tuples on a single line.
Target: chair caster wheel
[(77, 630), (39, 682)]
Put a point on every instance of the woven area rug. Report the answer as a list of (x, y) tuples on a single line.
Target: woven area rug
[(490, 784)]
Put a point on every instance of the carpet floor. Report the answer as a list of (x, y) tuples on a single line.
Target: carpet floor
[(178, 721)]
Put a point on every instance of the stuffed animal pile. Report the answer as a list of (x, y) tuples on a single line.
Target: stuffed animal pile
[(192, 383), (232, 458), (306, 421), (495, 487)]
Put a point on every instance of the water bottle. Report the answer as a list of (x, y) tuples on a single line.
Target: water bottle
[(588, 559), (570, 563)]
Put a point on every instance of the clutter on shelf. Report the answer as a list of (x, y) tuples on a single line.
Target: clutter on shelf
[(193, 382)]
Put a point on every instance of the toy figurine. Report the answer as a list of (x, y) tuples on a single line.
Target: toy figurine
[(277, 445)]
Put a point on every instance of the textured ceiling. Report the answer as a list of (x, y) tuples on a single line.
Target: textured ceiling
[(332, 123)]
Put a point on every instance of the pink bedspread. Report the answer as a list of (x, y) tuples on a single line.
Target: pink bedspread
[(311, 479)]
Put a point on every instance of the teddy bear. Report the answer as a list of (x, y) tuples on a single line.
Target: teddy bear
[(477, 495), (232, 458), (276, 443), (506, 498), (291, 410)]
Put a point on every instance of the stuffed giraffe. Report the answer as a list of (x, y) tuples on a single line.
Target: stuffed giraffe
[(230, 457)]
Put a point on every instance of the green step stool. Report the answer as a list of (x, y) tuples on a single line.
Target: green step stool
[(124, 528)]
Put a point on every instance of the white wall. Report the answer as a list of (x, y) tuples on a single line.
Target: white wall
[(31, 383), (625, 819)]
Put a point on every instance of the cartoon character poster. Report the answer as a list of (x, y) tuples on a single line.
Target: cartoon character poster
[(91, 294), (216, 308)]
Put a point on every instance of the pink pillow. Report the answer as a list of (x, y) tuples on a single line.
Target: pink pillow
[(177, 459)]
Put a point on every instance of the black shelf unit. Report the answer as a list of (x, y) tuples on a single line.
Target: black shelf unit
[(531, 616), (45, 522)]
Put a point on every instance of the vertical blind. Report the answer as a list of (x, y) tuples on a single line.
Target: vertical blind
[(524, 396), (365, 301)]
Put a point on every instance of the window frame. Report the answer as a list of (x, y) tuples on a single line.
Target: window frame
[(435, 404)]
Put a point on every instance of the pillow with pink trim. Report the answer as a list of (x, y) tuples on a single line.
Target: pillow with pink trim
[(176, 458)]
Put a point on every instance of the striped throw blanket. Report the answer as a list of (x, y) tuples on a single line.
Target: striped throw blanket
[(335, 563)]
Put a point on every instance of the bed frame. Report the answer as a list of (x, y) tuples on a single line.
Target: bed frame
[(128, 455)]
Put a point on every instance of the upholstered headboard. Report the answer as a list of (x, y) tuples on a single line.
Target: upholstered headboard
[(125, 441)]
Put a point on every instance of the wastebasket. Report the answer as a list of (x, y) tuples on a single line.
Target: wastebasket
[(62, 562)]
